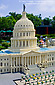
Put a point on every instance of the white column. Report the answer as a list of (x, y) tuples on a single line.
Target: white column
[(22, 63), (30, 60), (11, 43), (22, 60), (25, 43), (34, 42), (19, 63), (25, 61), (16, 61), (45, 59), (15, 43), (29, 43), (40, 58), (35, 59), (22, 43), (11, 64), (18, 43)]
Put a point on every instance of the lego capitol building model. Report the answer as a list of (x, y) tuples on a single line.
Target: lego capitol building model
[(24, 55)]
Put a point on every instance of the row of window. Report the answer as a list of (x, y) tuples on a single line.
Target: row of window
[(51, 55), (49, 59), (23, 25), (50, 64), (4, 59), (5, 64), (22, 34), (4, 70)]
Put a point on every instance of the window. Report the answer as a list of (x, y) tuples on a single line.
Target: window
[(20, 34), (48, 59), (52, 63), (1, 70), (27, 43), (23, 34), (1, 63), (7, 59), (50, 54), (52, 58), (23, 43), (27, 34), (24, 25), (4, 69), (7, 64), (7, 69), (4, 64)]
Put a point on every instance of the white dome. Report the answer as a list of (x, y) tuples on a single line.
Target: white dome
[(24, 22)]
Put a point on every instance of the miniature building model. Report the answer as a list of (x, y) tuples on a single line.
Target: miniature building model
[(24, 53)]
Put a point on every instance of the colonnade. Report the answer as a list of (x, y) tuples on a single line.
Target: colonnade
[(23, 43), (24, 61)]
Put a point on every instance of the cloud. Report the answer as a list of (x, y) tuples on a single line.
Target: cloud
[(44, 7), (2, 7)]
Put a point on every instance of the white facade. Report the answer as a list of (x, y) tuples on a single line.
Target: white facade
[(25, 51)]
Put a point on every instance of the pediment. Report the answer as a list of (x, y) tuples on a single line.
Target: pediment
[(30, 53)]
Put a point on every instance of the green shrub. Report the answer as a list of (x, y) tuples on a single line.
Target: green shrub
[(2, 47), (6, 45)]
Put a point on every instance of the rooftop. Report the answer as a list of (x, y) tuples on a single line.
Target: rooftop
[(7, 51)]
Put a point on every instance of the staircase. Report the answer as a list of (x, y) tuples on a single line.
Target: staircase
[(34, 69)]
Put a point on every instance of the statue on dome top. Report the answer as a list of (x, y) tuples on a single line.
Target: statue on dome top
[(24, 7)]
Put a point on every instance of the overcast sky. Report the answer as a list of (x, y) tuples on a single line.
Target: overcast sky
[(44, 7)]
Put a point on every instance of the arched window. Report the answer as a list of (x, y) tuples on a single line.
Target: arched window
[(23, 43)]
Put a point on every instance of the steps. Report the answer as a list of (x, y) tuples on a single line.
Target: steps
[(34, 69)]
